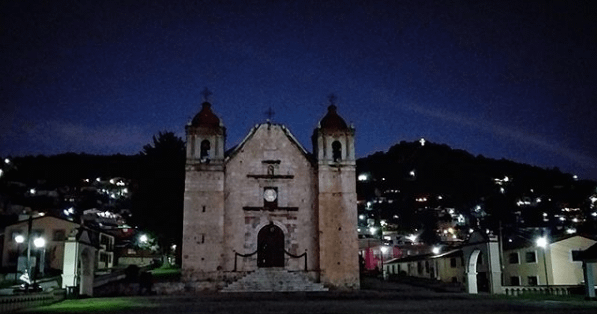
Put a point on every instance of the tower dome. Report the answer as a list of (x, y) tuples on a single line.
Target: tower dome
[(205, 117), (332, 121)]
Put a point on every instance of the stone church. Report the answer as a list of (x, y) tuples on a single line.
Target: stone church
[(269, 204)]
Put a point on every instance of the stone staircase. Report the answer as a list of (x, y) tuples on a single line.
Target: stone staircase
[(273, 279)]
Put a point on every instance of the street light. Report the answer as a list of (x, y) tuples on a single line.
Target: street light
[(40, 243), (543, 243), (143, 239), (18, 239), (383, 249)]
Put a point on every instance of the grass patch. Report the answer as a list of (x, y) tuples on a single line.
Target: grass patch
[(91, 305), (166, 273)]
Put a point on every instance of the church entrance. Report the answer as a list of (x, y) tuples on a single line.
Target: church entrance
[(270, 247)]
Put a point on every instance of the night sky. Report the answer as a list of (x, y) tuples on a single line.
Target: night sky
[(505, 79)]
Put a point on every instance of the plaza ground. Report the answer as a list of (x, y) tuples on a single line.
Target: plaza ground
[(377, 298)]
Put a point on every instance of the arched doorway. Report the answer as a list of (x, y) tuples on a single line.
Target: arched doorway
[(270, 246), (483, 267)]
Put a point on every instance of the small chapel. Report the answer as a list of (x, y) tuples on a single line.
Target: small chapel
[(268, 206)]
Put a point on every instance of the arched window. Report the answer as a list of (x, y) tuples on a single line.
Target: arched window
[(336, 151), (205, 147)]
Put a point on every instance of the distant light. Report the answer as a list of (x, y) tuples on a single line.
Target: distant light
[(387, 238), (471, 230), (173, 247), (143, 238), (502, 190), (412, 173), (19, 238), (362, 217), (412, 238), (363, 177), (384, 249), (41, 214), (39, 242), (6, 161), (111, 181), (509, 240), (506, 179), (439, 197), (422, 141), (435, 250), (594, 214), (98, 179), (86, 180), (562, 218), (451, 230), (66, 212), (383, 223), (574, 219), (372, 230), (575, 177), (383, 179), (395, 217), (32, 191), (1, 172), (71, 210), (541, 242), (571, 230)]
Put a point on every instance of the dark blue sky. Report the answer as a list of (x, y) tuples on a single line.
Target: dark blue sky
[(506, 79)]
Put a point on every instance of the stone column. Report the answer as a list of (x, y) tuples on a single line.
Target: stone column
[(587, 269)]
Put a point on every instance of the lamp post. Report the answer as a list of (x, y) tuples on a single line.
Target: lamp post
[(383, 250), (40, 244), (542, 242), (18, 239), (143, 240)]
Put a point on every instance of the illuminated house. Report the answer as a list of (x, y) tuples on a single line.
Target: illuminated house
[(525, 263), (55, 231)]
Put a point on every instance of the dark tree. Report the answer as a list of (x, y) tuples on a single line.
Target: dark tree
[(158, 200)]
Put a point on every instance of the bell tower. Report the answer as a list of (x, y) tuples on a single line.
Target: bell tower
[(203, 226), (333, 146)]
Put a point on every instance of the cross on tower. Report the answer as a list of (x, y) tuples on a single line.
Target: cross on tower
[(206, 93), (332, 98), (270, 113)]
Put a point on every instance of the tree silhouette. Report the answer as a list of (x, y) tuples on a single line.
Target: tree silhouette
[(158, 201)]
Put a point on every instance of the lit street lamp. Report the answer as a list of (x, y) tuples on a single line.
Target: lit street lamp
[(383, 249), (543, 243), (40, 244), (18, 239), (143, 239)]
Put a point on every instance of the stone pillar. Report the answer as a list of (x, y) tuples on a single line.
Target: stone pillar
[(587, 269), (87, 271), (69, 265), (471, 282), (495, 268)]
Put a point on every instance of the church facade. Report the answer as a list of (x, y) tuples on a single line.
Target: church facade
[(269, 203)]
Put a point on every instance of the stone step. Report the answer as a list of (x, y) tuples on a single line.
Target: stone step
[(273, 279)]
